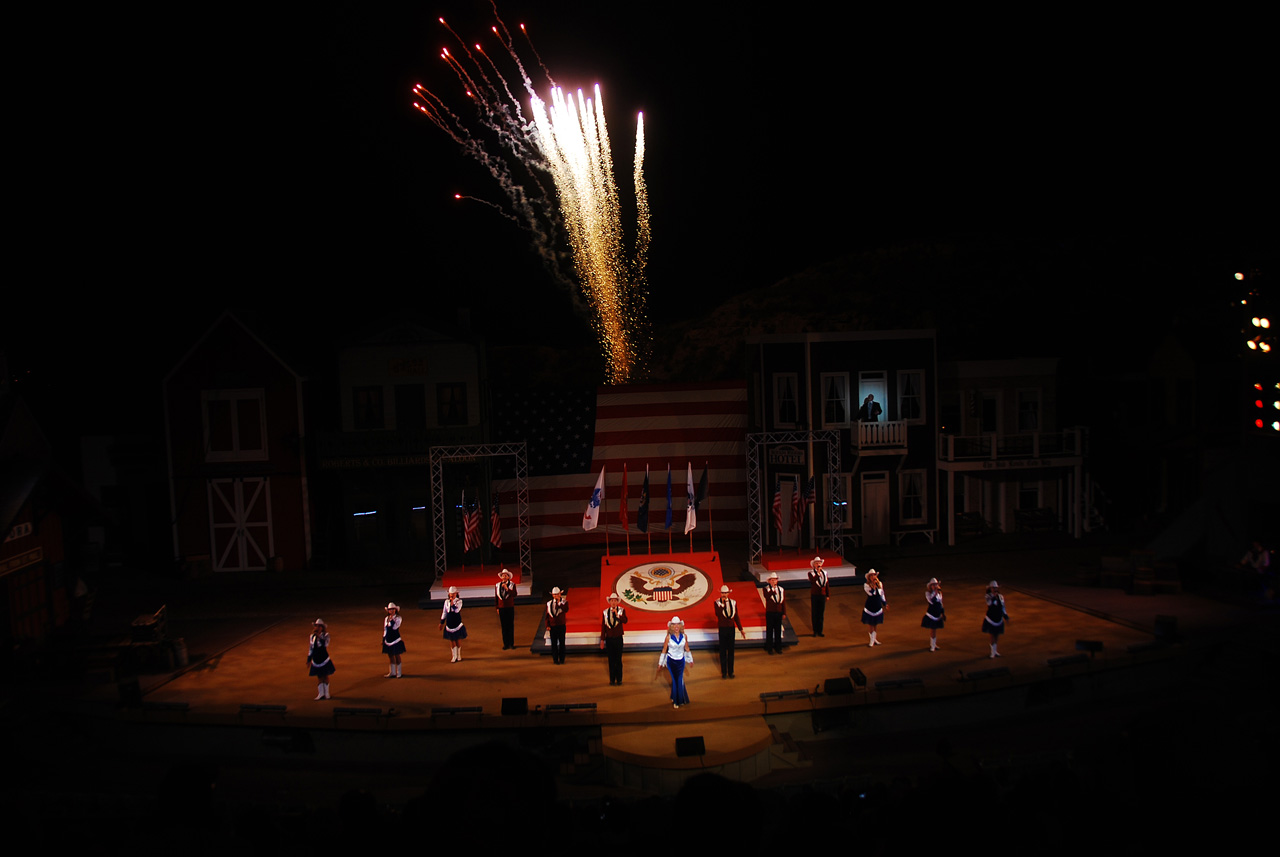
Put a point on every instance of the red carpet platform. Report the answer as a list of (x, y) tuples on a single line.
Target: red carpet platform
[(654, 588)]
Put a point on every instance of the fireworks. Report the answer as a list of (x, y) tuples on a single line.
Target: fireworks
[(567, 141)]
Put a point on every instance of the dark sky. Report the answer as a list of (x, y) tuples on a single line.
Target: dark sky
[(204, 158)]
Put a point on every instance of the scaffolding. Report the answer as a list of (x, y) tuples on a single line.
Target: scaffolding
[(755, 502), (442, 454)]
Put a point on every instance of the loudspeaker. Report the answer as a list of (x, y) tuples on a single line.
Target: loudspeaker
[(515, 705), (837, 686)]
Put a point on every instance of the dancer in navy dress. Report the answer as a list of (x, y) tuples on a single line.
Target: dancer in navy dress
[(319, 663), (451, 623), (392, 643), (934, 615), (676, 656), (873, 610), (996, 619)]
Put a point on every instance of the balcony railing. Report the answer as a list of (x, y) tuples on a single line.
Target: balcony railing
[(892, 433), (1040, 444)]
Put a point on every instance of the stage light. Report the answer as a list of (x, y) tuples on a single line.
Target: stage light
[(1239, 276), (1264, 322), (1253, 346), (1255, 321), (1265, 346)]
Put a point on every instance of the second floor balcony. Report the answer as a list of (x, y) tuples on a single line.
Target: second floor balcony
[(1030, 445)]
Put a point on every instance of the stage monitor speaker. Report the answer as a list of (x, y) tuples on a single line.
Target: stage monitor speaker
[(694, 746), (515, 705), (837, 686)]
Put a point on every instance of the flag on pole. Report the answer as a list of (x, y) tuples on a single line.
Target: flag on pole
[(470, 525), (495, 524), (642, 516), (810, 494), (668, 496), (622, 507), (592, 516), (691, 510), (797, 507), (777, 504)]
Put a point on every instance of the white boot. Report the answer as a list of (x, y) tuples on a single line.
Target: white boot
[(454, 658), (994, 653), (459, 651), (399, 670), (933, 644), (319, 691)]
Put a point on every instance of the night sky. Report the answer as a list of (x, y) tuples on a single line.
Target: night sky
[(272, 163)]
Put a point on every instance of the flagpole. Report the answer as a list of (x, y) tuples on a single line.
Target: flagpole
[(710, 523)]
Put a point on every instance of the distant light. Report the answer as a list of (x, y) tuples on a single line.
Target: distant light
[(1259, 423), (1257, 403), (1264, 322), (1252, 345), (1265, 346), (1276, 425), (418, 508), (358, 514), (1239, 276), (1255, 321)]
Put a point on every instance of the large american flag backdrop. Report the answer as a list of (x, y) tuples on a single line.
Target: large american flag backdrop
[(571, 434)]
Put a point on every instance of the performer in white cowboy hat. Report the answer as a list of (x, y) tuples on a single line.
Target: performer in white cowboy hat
[(451, 623), (873, 611), (775, 608), (819, 594), (557, 612), (504, 602), (611, 634), (676, 656), (319, 664), (934, 614), (996, 619), (392, 642), (726, 619)]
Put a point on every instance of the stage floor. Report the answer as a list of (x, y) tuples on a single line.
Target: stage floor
[(269, 668)]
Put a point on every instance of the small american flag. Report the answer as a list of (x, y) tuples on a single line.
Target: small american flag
[(470, 527), (495, 524)]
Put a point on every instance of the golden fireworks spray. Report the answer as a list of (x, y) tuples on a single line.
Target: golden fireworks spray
[(568, 140)]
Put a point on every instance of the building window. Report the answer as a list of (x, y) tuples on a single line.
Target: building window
[(911, 497), (911, 395), (366, 408), (1028, 410), (835, 399), (786, 404), (235, 425), (451, 404)]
